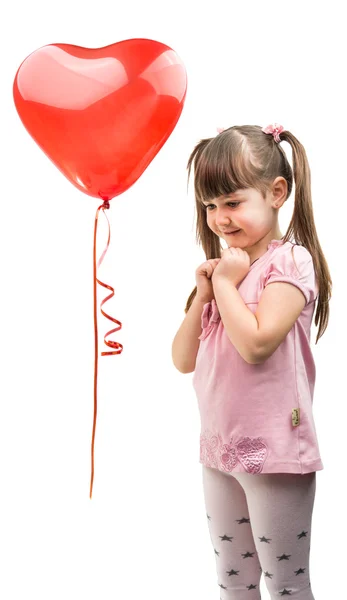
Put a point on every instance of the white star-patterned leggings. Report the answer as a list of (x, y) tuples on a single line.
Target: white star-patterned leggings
[(260, 524)]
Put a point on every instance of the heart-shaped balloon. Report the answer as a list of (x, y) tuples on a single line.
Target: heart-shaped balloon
[(101, 115)]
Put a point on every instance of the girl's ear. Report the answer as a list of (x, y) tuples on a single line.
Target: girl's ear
[(279, 191)]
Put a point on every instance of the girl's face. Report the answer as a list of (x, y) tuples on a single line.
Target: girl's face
[(247, 211)]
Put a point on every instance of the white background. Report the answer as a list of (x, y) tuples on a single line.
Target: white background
[(144, 533)]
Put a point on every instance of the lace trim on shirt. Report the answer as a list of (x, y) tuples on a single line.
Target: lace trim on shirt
[(210, 316), (250, 452)]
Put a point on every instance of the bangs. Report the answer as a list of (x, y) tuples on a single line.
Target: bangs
[(223, 168)]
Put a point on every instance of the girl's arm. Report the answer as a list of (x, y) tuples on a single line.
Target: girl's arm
[(185, 345)]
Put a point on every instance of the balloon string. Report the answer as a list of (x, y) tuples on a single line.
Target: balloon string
[(110, 343)]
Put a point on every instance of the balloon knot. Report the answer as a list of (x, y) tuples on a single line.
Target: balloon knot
[(106, 204)]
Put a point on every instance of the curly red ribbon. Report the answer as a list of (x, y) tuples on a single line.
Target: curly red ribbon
[(110, 343)]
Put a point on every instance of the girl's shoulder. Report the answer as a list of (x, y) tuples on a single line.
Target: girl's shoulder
[(292, 256), (292, 263)]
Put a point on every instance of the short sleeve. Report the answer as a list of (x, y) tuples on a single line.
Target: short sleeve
[(293, 264)]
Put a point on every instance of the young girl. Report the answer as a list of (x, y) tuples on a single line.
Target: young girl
[(248, 344)]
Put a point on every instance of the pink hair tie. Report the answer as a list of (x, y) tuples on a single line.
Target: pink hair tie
[(220, 129), (275, 129)]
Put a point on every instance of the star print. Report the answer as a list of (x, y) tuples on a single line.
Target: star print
[(285, 592), (251, 587), (248, 554), (264, 539), (225, 537), (299, 571), (216, 552), (232, 572), (222, 586), (302, 534), (243, 520), (267, 574), (284, 557)]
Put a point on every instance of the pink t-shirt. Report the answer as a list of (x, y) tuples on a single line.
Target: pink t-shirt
[(258, 418)]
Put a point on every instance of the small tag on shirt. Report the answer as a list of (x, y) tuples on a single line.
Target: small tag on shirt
[(295, 417)]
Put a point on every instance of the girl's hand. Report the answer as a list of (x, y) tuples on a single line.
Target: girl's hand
[(233, 265), (203, 276)]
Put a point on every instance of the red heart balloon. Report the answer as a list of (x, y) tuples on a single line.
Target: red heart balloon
[(101, 115)]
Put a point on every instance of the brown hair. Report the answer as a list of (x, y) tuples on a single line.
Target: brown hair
[(245, 157)]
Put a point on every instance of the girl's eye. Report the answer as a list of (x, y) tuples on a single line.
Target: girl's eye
[(208, 205)]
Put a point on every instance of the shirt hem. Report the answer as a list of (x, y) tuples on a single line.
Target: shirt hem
[(278, 467)]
